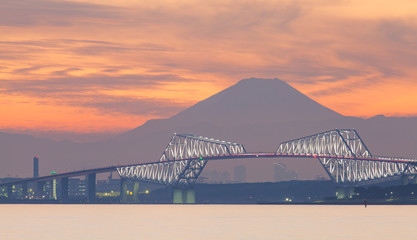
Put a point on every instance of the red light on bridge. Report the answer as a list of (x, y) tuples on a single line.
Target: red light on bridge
[(314, 156)]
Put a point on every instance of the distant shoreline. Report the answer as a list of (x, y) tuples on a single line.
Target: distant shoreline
[(108, 201)]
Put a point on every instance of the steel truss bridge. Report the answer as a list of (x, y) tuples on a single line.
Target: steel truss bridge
[(341, 152)]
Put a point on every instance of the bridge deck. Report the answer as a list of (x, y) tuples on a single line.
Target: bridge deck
[(209, 158)]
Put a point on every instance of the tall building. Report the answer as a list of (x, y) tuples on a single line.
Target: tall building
[(280, 171), (239, 173), (282, 174), (36, 167), (53, 189), (216, 176), (77, 187)]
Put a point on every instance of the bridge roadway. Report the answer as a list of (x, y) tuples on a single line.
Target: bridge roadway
[(62, 175), (280, 155)]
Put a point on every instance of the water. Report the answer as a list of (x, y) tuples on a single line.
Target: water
[(207, 222)]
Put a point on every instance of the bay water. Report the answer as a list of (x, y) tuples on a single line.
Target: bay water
[(118, 221)]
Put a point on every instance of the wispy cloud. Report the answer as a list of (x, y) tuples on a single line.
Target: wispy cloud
[(29, 13), (96, 92)]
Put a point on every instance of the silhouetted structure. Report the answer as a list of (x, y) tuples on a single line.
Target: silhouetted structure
[(36, 167), (239, 174), (282, 174)]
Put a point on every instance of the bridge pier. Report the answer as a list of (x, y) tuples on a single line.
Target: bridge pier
[(404, 179), (414, 181), (183, 195), (135, 191), (345, 192), (64, 189), (91, 187), (123, 190)]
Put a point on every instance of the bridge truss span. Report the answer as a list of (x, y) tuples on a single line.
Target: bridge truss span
[(182, 160), (161, 172), (183, 146), (339, 143), (359, 170), (345, 157)]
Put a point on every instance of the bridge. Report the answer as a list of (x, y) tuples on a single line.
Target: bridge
[(341, 152)]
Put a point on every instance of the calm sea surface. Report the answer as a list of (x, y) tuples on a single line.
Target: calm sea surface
[(207, 222)]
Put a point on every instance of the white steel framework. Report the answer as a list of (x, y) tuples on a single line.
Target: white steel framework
[(182, 161), (340, 143), (359, 170), (345, 156), (341, 152)]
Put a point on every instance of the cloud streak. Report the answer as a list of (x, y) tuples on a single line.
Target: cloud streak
[(84, 92), (29, 13)]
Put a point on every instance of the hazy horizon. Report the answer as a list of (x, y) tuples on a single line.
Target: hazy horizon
[(81, 137)]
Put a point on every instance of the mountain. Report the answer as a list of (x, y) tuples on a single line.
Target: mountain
[(261, 101), (259, 113), (250, 108)]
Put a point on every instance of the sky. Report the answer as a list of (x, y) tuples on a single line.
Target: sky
[(90, 66)]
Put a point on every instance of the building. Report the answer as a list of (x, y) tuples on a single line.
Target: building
[(282, 174), (239, 174), (77, 187), (36, 167), (215, 176)]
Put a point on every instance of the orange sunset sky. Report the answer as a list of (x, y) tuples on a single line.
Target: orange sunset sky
[(110, 65)]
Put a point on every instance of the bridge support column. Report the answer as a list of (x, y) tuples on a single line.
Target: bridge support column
[(345, 192), (414, 179), (64, 189), (91, 179), (123, 190), (183, 195), (190, 196), (25, 190), (39, 189), (404, 179), (135, 191), (177, 198)]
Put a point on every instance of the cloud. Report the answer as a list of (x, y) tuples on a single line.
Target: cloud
[(219, 19), (27, 70), (65, 72), (400, 31), (134, 106), (112, 48), (26, 13), (79, 83), (96, 92)]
